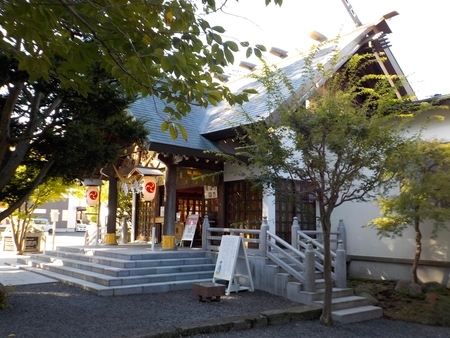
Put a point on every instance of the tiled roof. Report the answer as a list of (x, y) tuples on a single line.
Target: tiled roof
[(201, 122)]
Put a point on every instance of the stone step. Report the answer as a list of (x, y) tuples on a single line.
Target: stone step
[(124, 254), (295, 293), (102, 290), (357, 314), (342, 303), (154, 260), (106, 280), (126, 268)]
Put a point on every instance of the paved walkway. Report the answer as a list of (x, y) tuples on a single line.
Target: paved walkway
[(11, 275)]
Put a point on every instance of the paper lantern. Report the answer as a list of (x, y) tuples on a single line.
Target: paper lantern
[(92, 196), (149, 190)]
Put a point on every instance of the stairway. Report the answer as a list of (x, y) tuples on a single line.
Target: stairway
[(122, 272), (346, 307)]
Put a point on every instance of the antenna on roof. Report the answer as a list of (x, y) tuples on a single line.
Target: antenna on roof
[(352, 12)]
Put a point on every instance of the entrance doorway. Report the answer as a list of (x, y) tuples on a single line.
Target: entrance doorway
[(190, 201)]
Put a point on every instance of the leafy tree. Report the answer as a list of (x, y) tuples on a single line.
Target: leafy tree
[(424, 179), (153, 47), (56, 132), (340, 142), (50, 191), (49, 51)]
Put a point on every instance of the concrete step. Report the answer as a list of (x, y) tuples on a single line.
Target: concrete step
[(342, 303), (122, 271), (106, 280), (357, 314), (270, 271), (295, 293), (123, 262), (123, 268), (127, 253), (122, 290)]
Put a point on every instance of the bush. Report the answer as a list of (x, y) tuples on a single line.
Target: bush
[(4, 293)]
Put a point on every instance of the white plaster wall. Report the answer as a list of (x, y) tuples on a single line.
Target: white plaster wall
[(364, 241), (431, 127), (397, 271)]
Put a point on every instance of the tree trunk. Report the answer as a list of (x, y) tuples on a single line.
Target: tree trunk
[(5, 118), (19, 235), (415, 279), (326, 317)]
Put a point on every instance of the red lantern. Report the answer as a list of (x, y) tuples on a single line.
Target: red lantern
[(92, 196), (149, 190)]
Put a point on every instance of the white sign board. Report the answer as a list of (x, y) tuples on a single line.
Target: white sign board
[(189, 229), (210, 192), (231, 263)]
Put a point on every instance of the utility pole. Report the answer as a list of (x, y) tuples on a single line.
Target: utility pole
[(352, 12)]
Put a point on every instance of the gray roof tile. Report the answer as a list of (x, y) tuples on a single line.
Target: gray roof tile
[(201, 121)]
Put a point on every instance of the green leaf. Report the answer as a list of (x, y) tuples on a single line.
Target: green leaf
[(204, 24), (183, 131), (249, 52), (164, 126), (261, 47), (217, 38), (232, 45), (250, 91), (173, 131), (165, 64), (180, 57), (219, 29), (257, 52), (216, 95), (229, 55)]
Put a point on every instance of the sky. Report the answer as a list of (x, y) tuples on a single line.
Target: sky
[(418, 39)]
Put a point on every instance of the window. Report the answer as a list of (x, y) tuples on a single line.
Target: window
[(292, 200), (244, 205)]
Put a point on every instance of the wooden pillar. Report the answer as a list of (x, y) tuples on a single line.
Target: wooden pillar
[(112, 208), (170, 201), (135, 216), (221, 216)]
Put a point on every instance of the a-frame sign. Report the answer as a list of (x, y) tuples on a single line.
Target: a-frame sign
[(189, 229), (232, 263)]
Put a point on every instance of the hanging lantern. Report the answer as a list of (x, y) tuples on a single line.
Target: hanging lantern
[(149, 190), (92, 196)]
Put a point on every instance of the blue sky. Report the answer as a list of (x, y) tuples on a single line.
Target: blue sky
[(418, 38)]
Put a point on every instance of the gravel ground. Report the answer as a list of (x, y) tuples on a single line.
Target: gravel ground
[(58, 310), (375, 328)]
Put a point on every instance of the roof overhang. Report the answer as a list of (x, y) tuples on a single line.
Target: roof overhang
[(145, 171)]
